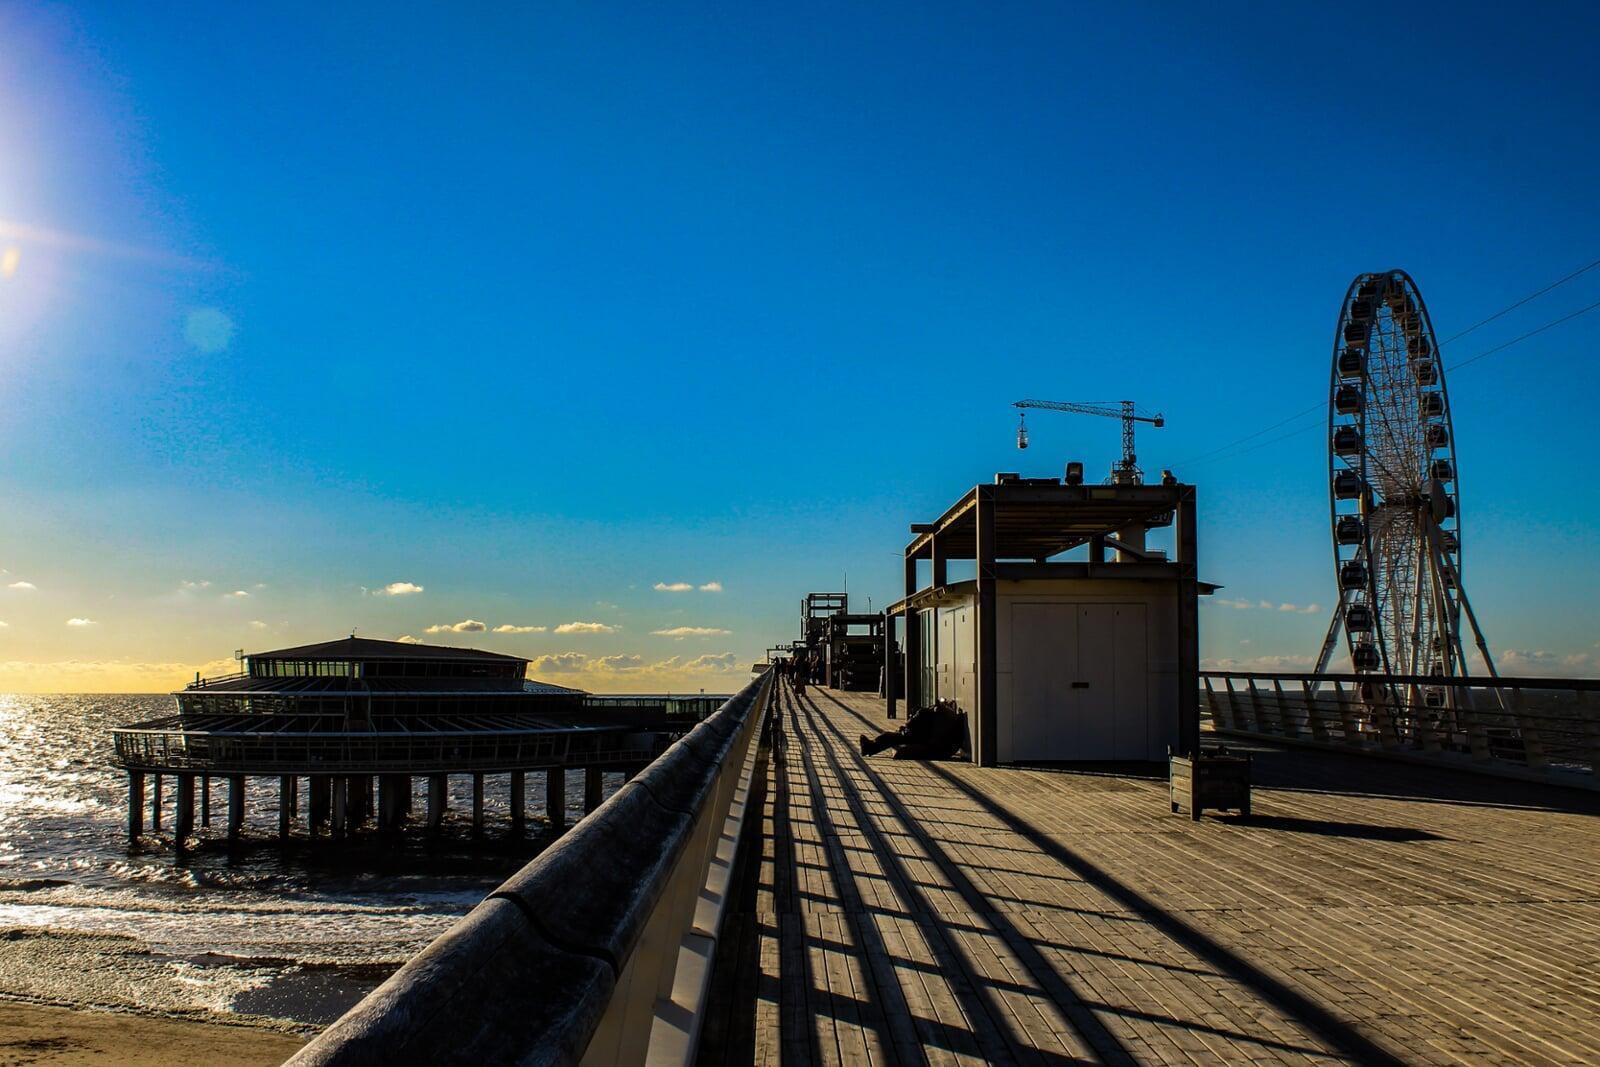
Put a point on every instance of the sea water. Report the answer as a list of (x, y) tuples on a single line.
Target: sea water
[(286, 935)]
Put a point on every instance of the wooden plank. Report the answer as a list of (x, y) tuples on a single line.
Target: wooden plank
[(955, 914)]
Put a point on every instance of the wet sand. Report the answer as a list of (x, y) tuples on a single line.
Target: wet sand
[(42, 1034)]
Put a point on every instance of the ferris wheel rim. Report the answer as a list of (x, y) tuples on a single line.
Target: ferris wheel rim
[(1384, 323)]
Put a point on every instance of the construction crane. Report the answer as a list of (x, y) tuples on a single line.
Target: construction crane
[(1126, 471)]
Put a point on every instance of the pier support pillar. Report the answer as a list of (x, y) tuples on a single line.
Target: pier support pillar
[(155, 803), (366, 796), (356, 808), (205, 800), (235, 805), (519, 798), (388, 803), (555, 798), (285, 806), (593, 787), (438, 791), (183, 815), (135, 805), (477, 804), (341, 804), (321, 797)]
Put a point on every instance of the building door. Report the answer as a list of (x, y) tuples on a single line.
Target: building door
[(1078, 683), (1094, 689), (1044, 664)]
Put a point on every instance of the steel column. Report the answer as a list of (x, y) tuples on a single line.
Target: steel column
[(285, 806), (985, 753), (183, 817), (477, 804), (236, 786), (912, 690), (1187, 543), (135, 805)]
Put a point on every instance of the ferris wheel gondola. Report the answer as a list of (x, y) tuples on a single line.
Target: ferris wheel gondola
[(1393, 494)]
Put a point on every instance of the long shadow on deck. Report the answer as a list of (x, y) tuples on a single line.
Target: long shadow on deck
[(1328, 1027), (1079, 1010)]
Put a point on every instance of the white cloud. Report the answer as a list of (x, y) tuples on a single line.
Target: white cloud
[(257, 624), (635, 666), (1542, 662), (585, 628), (3, 624), (237, 594), (407, 639), (1263, 605), (208, 329), (711, 587), (398, 589), (24, 587), (508, 628), (80, 622), (673, 587), (1258, 663), (724, 661), (692, 631), (189, 585), (465, 626), (559, 663)]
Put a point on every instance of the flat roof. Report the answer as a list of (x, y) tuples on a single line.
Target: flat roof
[(311, 685), (354, 648), (1033, 521)]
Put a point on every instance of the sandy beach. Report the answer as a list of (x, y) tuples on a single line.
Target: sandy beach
[(45, 1034)]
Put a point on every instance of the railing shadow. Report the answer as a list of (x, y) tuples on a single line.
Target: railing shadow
[(1080, 1010), (1339, 1034)]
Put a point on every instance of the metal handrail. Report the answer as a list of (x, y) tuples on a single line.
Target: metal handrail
[(206, 683), (1543, 728), (1455, 681)]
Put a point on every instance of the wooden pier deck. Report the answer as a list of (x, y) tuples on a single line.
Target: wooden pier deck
[(1369, 912)]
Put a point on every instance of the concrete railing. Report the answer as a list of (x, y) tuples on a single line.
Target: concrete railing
[(600, 950), (1546, 729)]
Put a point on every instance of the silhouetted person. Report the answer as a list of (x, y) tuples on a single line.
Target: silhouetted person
[(938, 732), (801, 669)]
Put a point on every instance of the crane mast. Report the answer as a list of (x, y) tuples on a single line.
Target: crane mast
[(1126, 471)]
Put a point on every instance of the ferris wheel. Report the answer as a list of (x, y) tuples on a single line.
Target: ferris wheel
[(1393, 494)]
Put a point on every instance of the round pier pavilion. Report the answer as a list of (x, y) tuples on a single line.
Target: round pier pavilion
[(358, 720)]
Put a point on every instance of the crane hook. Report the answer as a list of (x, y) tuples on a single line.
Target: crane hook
[(1022, 430)]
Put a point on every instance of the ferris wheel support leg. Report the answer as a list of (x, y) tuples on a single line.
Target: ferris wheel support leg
[(1334, 626)]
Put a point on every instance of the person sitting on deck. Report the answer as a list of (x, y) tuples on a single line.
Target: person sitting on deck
[(938, 732)]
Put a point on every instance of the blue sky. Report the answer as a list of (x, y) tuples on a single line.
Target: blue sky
[(539, 309)]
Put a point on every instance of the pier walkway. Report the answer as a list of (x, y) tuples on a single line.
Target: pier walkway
[(1369, 912)]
